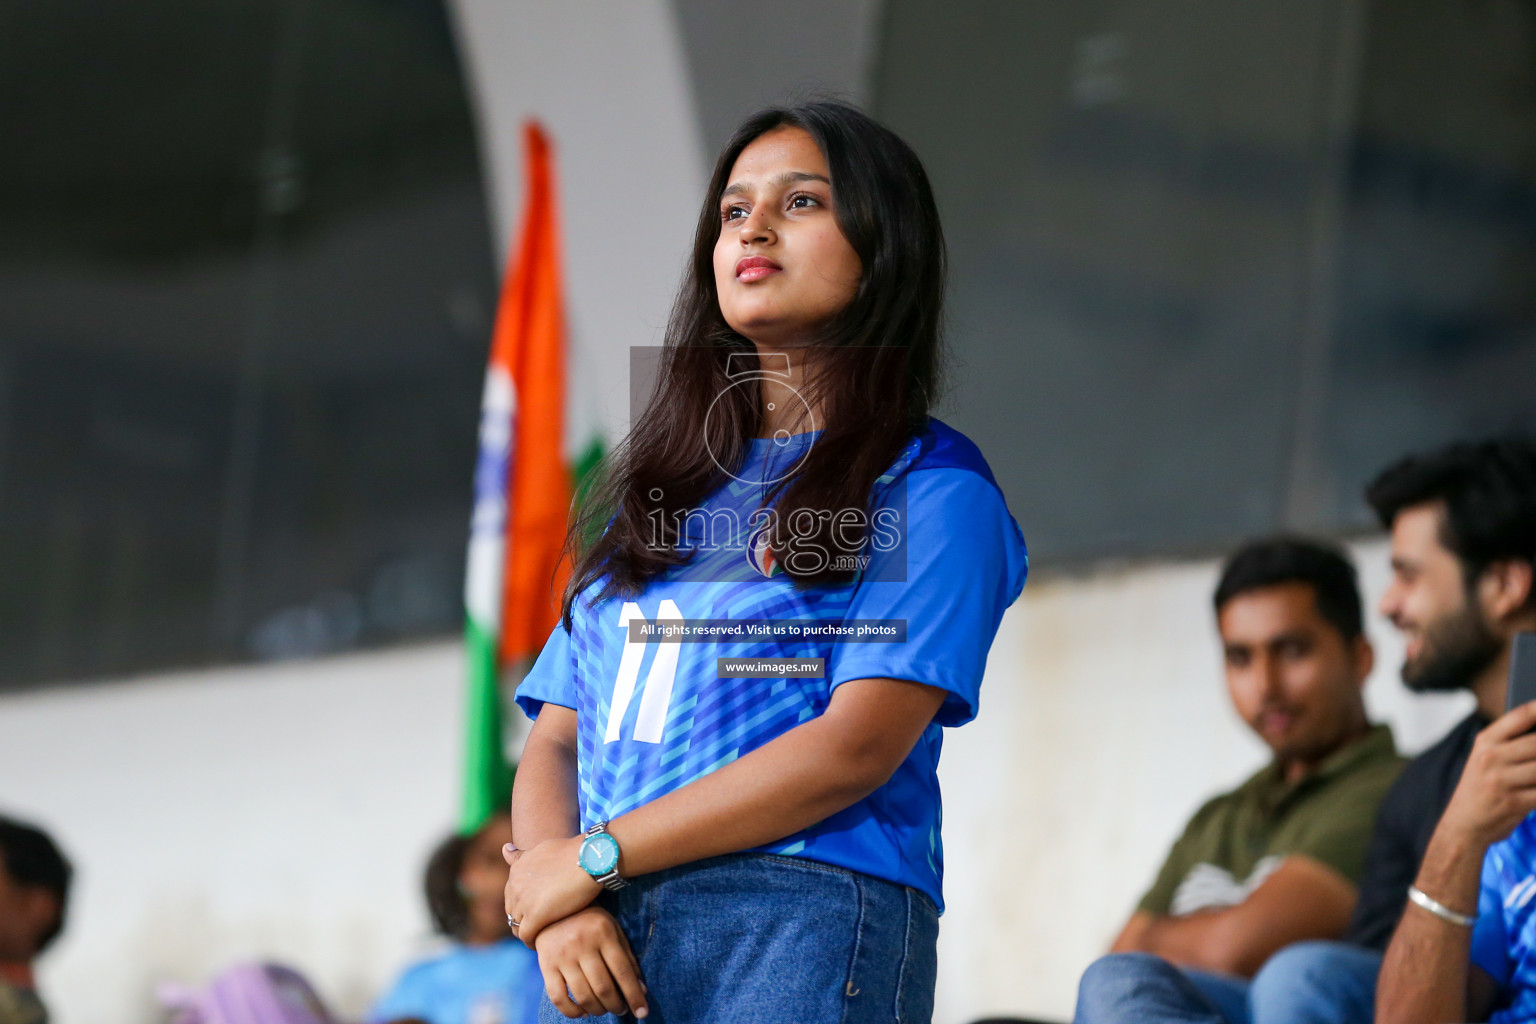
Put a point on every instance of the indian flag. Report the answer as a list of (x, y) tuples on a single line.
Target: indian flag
[(524, 481)]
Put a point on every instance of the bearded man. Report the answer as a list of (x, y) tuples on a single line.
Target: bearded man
[(1463, 524)]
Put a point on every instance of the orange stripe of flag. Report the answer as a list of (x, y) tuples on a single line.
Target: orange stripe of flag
[(530, 342)]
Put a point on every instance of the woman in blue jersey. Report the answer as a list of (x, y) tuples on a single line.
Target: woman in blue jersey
[(699, 835)]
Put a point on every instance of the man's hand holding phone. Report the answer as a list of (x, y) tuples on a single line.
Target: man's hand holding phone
[(1426, 974), (1498, 786)]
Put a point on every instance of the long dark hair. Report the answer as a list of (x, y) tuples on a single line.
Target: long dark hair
[(875, 375)]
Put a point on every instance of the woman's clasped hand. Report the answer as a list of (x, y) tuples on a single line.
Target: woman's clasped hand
[(587, 964)]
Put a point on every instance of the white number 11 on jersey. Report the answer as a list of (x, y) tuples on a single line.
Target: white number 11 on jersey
[(658, 682)]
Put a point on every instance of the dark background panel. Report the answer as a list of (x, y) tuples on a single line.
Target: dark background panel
[(245, 295), (1436, 330), (1127, 194), (1213, 266), (1216, 264)]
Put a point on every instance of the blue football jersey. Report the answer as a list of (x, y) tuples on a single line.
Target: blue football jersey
[(653, 715), (1504, 937)]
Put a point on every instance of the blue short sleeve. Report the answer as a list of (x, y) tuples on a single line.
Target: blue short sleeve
[(552, 679), (965, 563), (1490, 944)]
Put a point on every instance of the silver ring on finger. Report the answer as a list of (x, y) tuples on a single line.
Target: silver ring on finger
[(514, 925)]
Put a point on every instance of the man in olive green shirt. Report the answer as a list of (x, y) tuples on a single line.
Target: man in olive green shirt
[(1274, 861), (1237, 840)]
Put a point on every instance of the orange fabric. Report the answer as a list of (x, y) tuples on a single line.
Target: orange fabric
[(529, 341)]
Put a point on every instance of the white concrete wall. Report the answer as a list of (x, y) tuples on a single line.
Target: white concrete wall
[(286, 811), (275, 811)]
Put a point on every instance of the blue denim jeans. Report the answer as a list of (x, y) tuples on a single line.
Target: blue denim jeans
[(1307, 983), (764, 939)]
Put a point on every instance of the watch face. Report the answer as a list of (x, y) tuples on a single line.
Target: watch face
[(599, 854)]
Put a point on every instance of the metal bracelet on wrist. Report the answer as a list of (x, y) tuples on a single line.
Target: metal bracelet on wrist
[(1439, 909)]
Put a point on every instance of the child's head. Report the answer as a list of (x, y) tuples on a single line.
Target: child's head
[(465, 880), (34, 890)]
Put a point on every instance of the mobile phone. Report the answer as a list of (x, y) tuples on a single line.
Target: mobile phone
[(1522, 672)]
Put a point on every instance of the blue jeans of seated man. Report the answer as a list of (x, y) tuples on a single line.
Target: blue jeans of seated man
[(1307, 983), (763, 939)]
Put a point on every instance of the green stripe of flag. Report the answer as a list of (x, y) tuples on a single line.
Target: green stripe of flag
[(487, 784)]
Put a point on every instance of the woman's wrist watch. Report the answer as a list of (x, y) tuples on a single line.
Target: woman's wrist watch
[(599, 857)]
